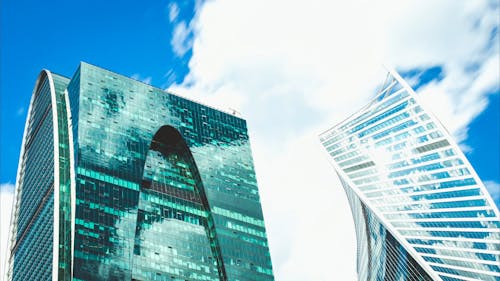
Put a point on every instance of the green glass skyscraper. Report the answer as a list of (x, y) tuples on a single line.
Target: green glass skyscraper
[(119, 180)]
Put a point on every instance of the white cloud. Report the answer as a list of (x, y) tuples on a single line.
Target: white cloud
[(138, 77), (494, 190), (6, 198), (173, 11), (295, 68), (466, 91), (181, 38), (307, 215)]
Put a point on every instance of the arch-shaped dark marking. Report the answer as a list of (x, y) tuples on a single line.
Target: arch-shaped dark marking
[(169, 140)]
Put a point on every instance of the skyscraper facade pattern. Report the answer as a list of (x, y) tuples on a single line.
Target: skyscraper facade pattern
[(420, 210), (119, 180)]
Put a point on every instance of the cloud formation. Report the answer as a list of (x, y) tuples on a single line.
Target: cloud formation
[(296, 68), (138, 77), (494, 188), (173, 11), (182, 40)]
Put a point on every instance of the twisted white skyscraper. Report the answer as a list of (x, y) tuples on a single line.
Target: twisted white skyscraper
[(420, 210)]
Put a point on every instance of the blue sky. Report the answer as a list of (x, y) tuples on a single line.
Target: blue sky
[(483, 149), (135, 40), (129, 38), (292, 69)]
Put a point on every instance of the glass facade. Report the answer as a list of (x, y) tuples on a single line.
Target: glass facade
[(420, 210), (148, 186), (42, 188)]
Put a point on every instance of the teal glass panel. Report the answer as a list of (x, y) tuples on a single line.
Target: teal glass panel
[(33, 228), (65, 223), (115, 120), (146, 185)]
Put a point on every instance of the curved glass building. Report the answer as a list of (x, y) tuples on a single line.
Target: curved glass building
[(420, 210), (119, 180)]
